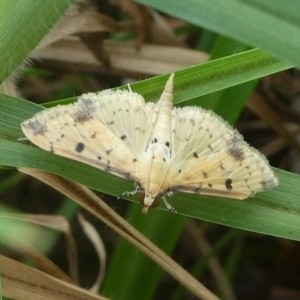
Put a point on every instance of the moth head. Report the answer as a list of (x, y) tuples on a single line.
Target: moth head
[(148, 201)]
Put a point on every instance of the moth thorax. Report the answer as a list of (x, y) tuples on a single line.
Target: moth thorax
[(148, 202)]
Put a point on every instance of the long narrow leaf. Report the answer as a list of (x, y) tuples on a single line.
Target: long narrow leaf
[(270, 25), (22, 25), (265, 213)]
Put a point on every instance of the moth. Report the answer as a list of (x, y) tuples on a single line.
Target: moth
[(161, 148)]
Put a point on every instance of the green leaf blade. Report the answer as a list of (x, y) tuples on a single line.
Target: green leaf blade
[(275, 30)]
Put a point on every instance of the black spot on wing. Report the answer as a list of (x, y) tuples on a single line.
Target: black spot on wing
[(235, 149), (87, 103), (81, 116), (51, 148), (228, 183), (123, 137), (79, 147), (196, 155), (237, 153), (192, 121), (267, 184), (36, 127), (197, 190)]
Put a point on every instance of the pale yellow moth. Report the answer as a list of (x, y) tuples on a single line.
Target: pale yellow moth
[(163, 149)]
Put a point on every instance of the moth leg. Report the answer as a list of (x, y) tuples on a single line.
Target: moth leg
[(137, 190), (168, 205), (129, 194), (170, 193)]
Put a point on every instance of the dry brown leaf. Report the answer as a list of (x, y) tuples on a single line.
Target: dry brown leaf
[(141, 20), (94, 42), (77, 23), (257, 104), (97, 242), (41, 261), (150, 60), (163, 32), (273, 147), (25, 283)]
